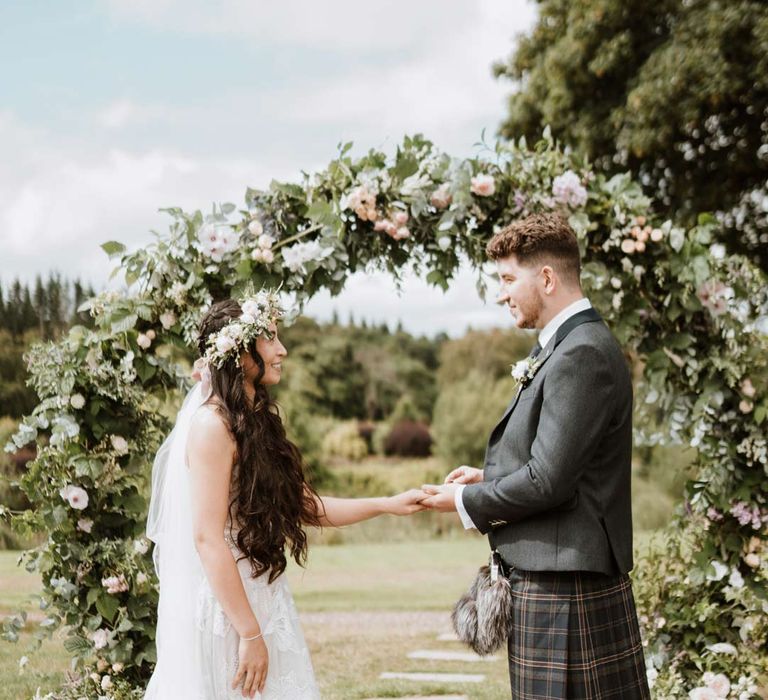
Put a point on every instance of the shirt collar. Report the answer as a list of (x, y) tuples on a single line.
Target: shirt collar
[(548, 332)]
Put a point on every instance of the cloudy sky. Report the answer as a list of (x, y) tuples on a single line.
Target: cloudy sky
[(113, 109)]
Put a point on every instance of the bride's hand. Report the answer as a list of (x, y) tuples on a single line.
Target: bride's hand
[(406, 503), (252, 667), (464, 475)]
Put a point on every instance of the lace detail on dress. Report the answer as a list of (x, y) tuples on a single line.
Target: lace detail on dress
[(291, 676)]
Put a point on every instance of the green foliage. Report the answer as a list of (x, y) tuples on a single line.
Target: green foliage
[(490, 353), (689, 318), (344, 441), (465, 414), (675, 91)]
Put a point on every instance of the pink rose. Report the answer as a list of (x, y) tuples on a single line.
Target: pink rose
[(718, 682), (702, 693), (168, 320), (266, 241), (441, 198), (267, 256), (401, 233), (747, 388), (628, 246), (483, 185), (656, 235), (143, 341), (400, 218)]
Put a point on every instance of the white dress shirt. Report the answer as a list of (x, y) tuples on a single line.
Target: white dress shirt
[(546, 334)]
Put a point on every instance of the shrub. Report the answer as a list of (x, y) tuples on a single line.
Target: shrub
[(408, 439), (465, 413), (344, 441)]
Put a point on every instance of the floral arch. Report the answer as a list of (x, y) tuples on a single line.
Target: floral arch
[(685, 312)]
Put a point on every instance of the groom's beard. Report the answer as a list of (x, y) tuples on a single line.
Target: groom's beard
[(529, 310)]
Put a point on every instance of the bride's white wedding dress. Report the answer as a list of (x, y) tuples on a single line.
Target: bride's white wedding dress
[(197, 646)]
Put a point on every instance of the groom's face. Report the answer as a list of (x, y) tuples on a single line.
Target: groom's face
[(521, 292)]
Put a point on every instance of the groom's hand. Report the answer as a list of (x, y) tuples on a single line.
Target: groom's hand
[(464, 475), (440, 498)]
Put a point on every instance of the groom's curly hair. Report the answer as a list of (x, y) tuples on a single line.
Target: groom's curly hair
[(539, 239), (271, 498)]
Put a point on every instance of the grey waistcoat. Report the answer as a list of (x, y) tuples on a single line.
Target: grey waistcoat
[(556, 491)]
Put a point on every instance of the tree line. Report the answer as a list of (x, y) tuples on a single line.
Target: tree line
[(48, 307)]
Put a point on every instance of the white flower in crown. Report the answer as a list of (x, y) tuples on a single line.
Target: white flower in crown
[(525, 370), (259, 311)]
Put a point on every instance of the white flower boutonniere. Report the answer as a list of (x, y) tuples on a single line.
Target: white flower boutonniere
[(524, 371)]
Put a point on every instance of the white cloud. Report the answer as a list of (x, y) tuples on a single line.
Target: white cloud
[(338, 25), (124, 112)]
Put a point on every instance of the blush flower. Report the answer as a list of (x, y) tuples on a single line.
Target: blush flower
[(567, 189), (168, 320), (483, 185), (77, 401), (76, 496), (441, 198), (115, 584), (119, 444), (143, 341), (85, 525), (100, 638)]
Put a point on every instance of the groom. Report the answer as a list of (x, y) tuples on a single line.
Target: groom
[(554, 493)]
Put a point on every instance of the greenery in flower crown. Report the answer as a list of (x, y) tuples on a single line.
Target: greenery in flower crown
[(259, 312), (692, 319)]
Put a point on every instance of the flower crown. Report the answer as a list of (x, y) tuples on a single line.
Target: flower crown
[(259, 312)]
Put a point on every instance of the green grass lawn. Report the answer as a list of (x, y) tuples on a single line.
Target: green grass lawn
[(364, 608)]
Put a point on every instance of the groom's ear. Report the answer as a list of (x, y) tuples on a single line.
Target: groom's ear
[(549, 279)]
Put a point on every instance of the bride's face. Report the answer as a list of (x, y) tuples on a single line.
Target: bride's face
[(272, 351)]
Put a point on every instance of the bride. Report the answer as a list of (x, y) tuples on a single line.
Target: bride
[(229, 499)]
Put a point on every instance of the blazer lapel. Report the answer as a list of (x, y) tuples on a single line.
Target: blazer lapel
[(587, 316)]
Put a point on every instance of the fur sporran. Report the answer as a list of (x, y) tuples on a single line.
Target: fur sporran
[(483, 615)]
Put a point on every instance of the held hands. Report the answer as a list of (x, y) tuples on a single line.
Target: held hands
[(252, 667), (443, 498), (406, 503)]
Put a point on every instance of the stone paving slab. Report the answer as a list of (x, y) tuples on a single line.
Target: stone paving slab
[(440, 655), (447, 637), (435, 677), (426, 697)]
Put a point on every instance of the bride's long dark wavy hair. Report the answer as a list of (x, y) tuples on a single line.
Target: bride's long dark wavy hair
[(271, 497)]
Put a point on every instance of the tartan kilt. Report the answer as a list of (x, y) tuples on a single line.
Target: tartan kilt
[(574, 635)]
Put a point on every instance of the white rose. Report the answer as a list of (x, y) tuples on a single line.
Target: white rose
[(117, 667), (85, 525), (224, 343), (255, 227), (257, 255), (616, 282), (251, 308), (520, 370), (656, 235), (168, 320), (718, 682), (141, 546), (266, 241), (235, 330), (444, 242), (483, 185), (100, 638), (119, 444), (628, 246), (247, 318), (77, 401), (143, 341), (702, 693), (75, 496), (736, 579), (106, 683)]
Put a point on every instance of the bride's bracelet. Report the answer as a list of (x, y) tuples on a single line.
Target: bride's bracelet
[(250, 639)]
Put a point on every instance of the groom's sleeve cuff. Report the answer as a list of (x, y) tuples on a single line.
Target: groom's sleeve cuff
[(466, 521)]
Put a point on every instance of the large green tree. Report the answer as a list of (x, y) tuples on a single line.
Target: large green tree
[(675, 90)]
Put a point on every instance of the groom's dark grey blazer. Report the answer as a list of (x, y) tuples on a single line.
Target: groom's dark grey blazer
[(556, 488)]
